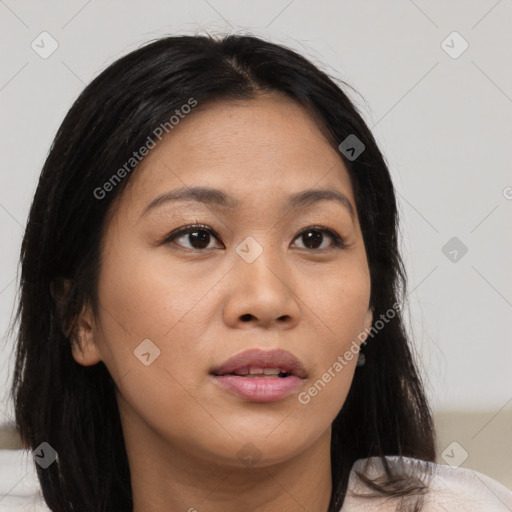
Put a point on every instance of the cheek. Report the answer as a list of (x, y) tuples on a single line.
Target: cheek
[(340, 303), (146, 296), (339, 315), (142, 299), (147, 343)]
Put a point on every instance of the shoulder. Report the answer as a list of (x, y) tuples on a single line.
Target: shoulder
[(19, 486), (448, 487)]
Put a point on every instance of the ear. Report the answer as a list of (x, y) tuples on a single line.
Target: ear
[(83, 343), (367, 323), (81, 330)]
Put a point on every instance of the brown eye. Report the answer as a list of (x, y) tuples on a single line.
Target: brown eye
[(199, 239), (198, 236), (313, 237)]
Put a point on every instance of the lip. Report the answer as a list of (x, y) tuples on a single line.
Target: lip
[(261, 389), (263, 359)]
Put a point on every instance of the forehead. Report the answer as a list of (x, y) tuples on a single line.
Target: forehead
[(259, 148)]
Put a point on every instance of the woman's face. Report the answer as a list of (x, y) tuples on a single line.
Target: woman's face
[(172, 312)]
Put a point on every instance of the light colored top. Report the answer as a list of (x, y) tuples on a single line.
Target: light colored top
[(450, 489)]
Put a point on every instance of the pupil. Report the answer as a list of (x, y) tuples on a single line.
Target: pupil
[(317, 236), (202, 236)]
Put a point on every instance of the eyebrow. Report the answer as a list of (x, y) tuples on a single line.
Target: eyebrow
[(216, 197)]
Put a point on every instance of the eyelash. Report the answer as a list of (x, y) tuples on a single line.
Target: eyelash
[(338, 241)]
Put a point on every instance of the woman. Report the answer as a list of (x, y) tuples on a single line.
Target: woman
[(210, 312)]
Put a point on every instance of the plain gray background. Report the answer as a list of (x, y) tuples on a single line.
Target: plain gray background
[(443, 121)]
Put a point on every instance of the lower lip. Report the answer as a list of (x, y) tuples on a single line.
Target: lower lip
[(260, 389)]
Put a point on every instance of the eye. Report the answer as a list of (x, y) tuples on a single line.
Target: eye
[(314, 236), (198, 235)]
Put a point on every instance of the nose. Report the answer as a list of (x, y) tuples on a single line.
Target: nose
[(262, 292)]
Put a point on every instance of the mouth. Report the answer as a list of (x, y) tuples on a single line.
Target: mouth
[(252, 372), (258, 363), (261, 376)]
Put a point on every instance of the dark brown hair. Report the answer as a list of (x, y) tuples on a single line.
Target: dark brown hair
[(73, 407)]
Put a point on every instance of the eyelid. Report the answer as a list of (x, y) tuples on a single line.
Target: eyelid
[(339, 241)]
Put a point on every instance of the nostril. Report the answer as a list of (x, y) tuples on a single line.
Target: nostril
[(246, 317)]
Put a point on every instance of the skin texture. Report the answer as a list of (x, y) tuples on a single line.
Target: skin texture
[(199, 306)]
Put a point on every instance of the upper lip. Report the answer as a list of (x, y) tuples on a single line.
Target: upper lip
[(258, 358)]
